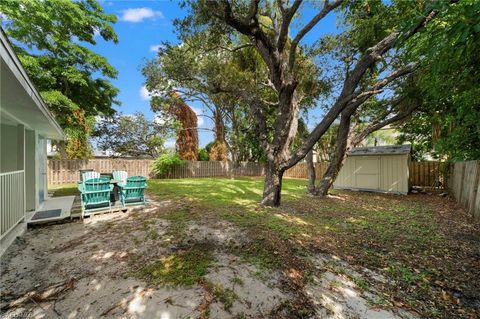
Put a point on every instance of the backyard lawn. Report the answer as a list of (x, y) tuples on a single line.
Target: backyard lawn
[(352, 255), (423, 245)]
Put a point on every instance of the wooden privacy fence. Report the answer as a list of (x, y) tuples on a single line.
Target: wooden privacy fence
[(464, 184), (216, 169), (300, 170), (427, 174), (67, 171)]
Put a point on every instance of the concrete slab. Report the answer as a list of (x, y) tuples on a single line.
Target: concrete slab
[(63, 203)]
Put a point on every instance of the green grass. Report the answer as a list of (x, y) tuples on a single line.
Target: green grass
[(63, 190), (405, 238), (221, 191), (237, 281), (393, 235), (182, 268), (225, 295), (361, 217)]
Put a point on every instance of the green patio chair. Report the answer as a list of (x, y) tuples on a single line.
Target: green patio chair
[(95, 195), (120, 176), (90, 175), (86, 176), (133, 192)]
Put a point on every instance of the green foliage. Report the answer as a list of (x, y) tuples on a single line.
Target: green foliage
[(165, 163), (225, 295), (49, 39), (182, 268), (226, 82), (203, 154), (448, 50), (132, 135)]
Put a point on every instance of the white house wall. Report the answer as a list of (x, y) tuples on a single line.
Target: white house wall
[(9, 148), (41, 168), (30, 170)]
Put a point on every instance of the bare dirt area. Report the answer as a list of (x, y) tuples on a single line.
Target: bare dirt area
[(173, 260)]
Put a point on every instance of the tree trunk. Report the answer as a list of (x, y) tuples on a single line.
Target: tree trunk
[(273, 186), (338, 157), (310, 173)]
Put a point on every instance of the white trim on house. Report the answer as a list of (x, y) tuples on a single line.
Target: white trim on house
[(9, 57)]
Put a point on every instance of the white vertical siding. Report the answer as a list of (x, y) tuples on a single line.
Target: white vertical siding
[(346, 176), (12, 200), (392, 174)]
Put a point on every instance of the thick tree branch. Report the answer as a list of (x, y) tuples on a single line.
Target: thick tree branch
[(309, 26), (360, 98), (245, 26), (234, 49), (378, 124), (351, 82), (287, 16)]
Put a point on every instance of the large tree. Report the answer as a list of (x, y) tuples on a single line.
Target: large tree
[(281, 57), (50, 38), (196, 81), (449, 121), (222, 81), (132, 135)]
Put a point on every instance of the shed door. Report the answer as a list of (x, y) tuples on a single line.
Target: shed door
[(367, 172)]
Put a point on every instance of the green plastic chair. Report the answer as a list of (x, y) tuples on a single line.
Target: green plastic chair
[(120, 176), (95, 195), (86, 176), (133, 192), (90, 175)]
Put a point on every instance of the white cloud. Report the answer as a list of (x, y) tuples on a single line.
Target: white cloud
[(169, 143), (145, 94), (156, 47), (199, 115), (139, 14)]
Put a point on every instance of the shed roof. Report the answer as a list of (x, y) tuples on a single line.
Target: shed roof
[(381, 150)]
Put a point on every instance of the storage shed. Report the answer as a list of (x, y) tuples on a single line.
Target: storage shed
[(378, 169)]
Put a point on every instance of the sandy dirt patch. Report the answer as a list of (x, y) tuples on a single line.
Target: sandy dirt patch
[(86, 270)]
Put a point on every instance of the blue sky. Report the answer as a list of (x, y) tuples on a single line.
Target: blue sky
[(141, 27)]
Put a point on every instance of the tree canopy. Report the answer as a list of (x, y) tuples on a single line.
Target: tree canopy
[(449, 121), (133, 135), (52, 39), (287, 68)]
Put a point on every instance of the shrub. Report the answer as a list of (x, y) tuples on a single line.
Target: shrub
[(203, 155), (164, 164)]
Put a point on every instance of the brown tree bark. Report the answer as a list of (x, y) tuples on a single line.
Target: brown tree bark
[(338, 157), (311, 175), (346, 139), (272, 190)]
